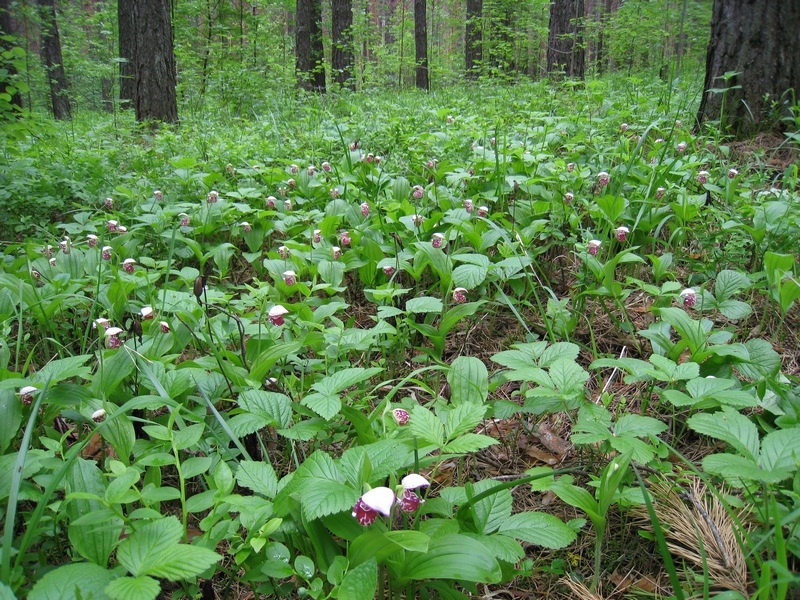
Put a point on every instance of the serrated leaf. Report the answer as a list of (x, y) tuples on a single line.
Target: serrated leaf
[(567, 375), (426, 426), (469, 276), (513, 359), (453, 556), (133, 588), (360, 582), (77, 581), (320, 497), (464, 418), (424, 304), (564, 350), (469, 380), (326, 406), (734, 309), (638, 426), (729, 426), (182, 562), (468, 443), (343, 379), (276, 408), (736, 469), (781, 449), (538, 528), (64, 368), (258, 477), (730, 283), (139, 551), (763, 361)]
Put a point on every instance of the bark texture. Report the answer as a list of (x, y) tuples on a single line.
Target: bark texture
[(565, 53), (342, 52), (421, 44), (473, 34), (53, 61), (127, 50), (758, 40), (309, 53), (154, 62)]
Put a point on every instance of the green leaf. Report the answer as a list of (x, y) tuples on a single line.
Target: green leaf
[(360, 582), (736, 469), (763, 362), (10, 418), (94, 542), (326, 406), (469, 276), (265, 361), (638, 426), (343, 379), (734, 309), (133, 588), (196, 465), (118, 488), (490, 513), (63, 368), (139, 552), (78, 581), (538, 528), (426, 426), (381, 545), (729, 426), (275, 408), (469, 380), (182, 562), (320, 497), (567, 375), (424, 304), (781, 450), (188, 436), (453, 556), (729, 283), (464, 418), (257, 476), (468, 443)]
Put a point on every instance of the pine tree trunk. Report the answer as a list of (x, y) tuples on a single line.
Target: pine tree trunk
[(565, 53), (155, 81), (472, 38), (53, 61), (421, 44), (342, 34), (5, 29), (309, 55), (127, 51), (754, 54)]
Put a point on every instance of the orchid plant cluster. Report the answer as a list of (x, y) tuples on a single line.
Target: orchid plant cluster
[(380, 500)]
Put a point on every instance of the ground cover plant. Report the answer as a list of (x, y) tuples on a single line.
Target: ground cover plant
[(494, 340)]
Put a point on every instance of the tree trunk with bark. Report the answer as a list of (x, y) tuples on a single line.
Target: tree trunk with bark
[(342, 34), (565, 52), (421, 44), (5, 29), (127, 51), (154, 62), (473, 33), (309, 52), (753, 60), (53, 61)]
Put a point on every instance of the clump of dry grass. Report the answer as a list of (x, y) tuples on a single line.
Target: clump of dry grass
[(700, 531)]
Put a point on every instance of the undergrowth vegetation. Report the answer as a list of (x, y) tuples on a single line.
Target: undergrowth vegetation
[(540, 338)]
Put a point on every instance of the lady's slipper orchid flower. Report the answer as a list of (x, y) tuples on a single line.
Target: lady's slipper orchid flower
[(164, 327), (681, 147), (594, 247), (732, 173), (284, 252), (570, 167), (326, 166), (112, 225), (468, 205), (569, 197), (364, 209), (112, 337), (92, 240), (336, 252), (401, 416), (289, 277), (276, 314), (287, 204), (65, 245), (294, 169), (122, 229), (147, 313), (603, 178), (317, 238), (271, 200), (660, 192), (26, 394), (417, 192), (184, 219), (459, 295), (344, 238), (376, 500), (158, 195), (483, 211), (128, 265), (437, 240), (106, 252), (246, 227), (109, 203), (99, 415), (417, 220), (213, 197), (702, 177), (388, 270), (689, 297), (409, 501), (622, 233)]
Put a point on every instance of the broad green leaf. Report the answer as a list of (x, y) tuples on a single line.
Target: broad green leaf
[(195, 465), (729, 426), (424, 304), (133, 588), (274, 407), (638, 426), (763, 361), (734, 309), (360, 582), (118, 487), (502, 546), (63, 368), (6, 593), (781, 450), (736, 469), (77, 581), (141, 550), (567, 375), (469, 380), (343, 379), (513, 359), (265, 361), (469, 276), (690, 330), (453, 556), (381, 545), (304, 567), (538, 528), (729, 283), (490, 513), (257, 476), (182, 562), (426, 426), (577, 497), (94, 542), (188, 437), (559, 350), (326, 406), (10, 418), (468, 443), (464, 418), (320, 497)]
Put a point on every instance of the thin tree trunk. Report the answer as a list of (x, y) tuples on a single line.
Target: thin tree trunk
[(127, 51), (309, 53), (421, 44), (472, 37), (753, 60), (565, 53), (342, 51), (155, 95), (53, 61)]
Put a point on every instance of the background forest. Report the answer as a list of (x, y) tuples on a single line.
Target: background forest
[(399, 299)]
